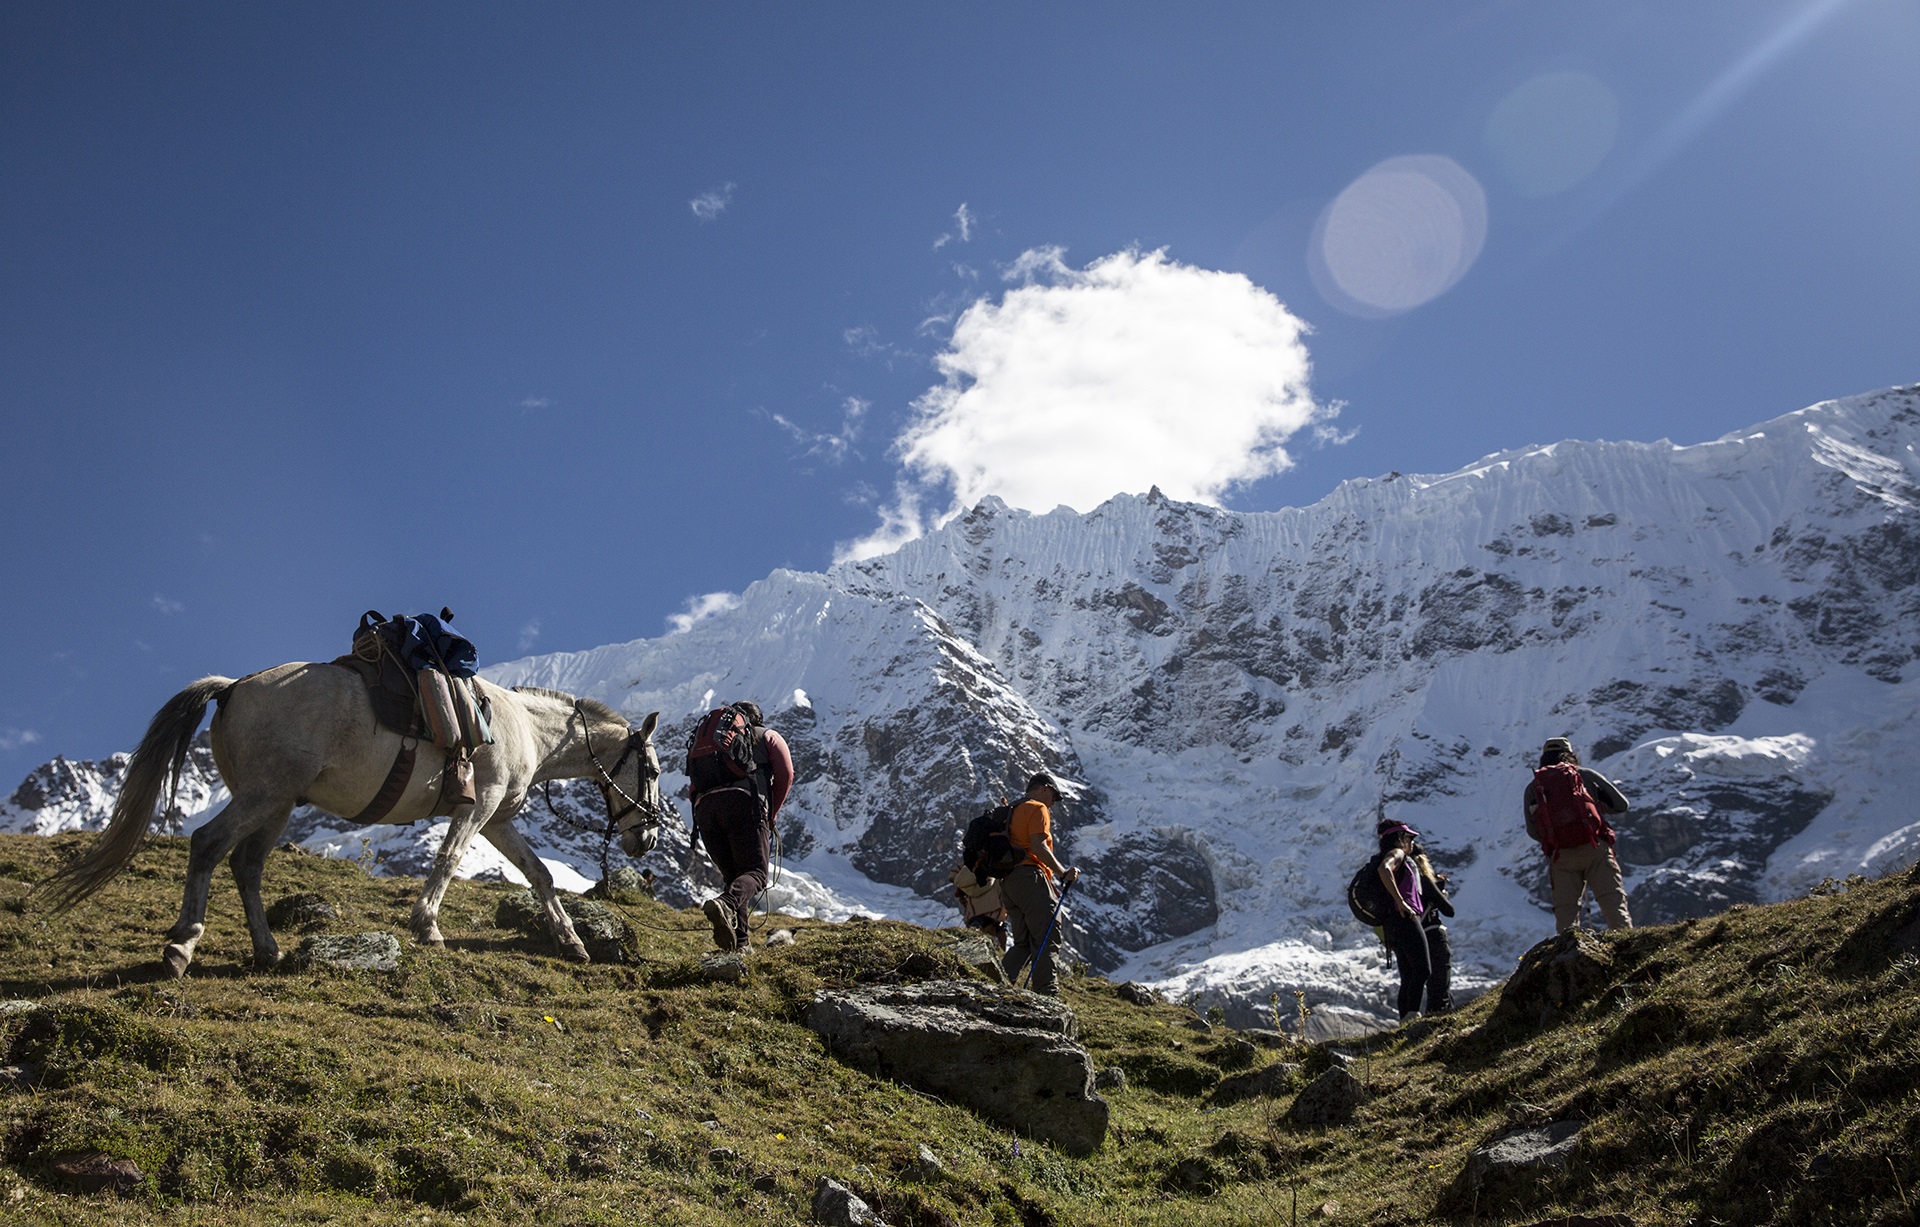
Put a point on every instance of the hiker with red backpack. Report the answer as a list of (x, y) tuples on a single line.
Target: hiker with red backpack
[(739, 772), (1563, 805), (1033, 909)]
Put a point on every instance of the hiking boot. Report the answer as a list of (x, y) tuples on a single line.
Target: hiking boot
[(720, 914)]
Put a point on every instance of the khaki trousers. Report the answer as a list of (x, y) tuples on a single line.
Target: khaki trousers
[(1576, 869)]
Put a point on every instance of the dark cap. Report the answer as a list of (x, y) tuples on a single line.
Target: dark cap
[(1041, 779), (1557, 744)]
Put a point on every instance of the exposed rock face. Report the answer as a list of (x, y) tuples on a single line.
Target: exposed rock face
[(1009, 1056)]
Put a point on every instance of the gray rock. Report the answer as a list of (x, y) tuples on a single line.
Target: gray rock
[(1267, 1037), (625, 885), (926, 1166), (981, 954), (835, 1205), (1508, 1170), (349, 952), (723, 968), (1329, 1099), (605, 933), (1112, 1078), (1268, 1083), (780, 937), (304, 913), (1586, 1220), (18, 1006), (1554, 975), (1139, 994), (939, 1035), (95, 1172)]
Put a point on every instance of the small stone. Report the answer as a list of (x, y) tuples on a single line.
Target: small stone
[(349, 952), (723, 1157), (1138, 994), (1112, 1078), (94, 1172), (723, 968), (926, 1166), (836, 1205), (780, 937)]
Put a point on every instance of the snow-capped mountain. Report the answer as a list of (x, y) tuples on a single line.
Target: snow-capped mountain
[(1726, 630)]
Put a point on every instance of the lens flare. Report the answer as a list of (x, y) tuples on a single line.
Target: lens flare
[(1553, 131), (1400, 235)]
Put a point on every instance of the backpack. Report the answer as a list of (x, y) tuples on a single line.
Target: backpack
[(720, 754), (1367, 896), (1564, 814), (988, 849)]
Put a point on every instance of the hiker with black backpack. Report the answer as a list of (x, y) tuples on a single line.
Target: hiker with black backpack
[(1563, 804), (1399, 876), (1028, 890), (739, 772)]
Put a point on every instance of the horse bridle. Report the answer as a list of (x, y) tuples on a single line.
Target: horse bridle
[(609, 784)]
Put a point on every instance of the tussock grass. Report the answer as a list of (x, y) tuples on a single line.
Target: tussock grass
[(1759, 1067)]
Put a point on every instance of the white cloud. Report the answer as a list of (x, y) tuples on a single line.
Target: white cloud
[(17, 739), (529, 634), (962, 228), (534, 404), (167, 605), (835, 447), (712, 203), (699, 609), (1079, 384)]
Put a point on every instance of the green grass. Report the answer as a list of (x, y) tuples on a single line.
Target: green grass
[(1760, 1067)]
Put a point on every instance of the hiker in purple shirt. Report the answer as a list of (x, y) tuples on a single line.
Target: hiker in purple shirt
[(1404, 933)]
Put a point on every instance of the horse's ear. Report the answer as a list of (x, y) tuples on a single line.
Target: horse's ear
[(646, 726)]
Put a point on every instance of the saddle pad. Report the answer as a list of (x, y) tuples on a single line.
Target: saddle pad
[(389, 689)]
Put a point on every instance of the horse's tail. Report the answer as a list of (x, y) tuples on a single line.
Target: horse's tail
[(162, 753)]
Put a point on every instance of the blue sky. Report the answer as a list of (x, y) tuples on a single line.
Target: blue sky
[(579, 317)]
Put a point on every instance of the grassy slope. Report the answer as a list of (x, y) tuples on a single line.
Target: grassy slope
[(1757, 1067)]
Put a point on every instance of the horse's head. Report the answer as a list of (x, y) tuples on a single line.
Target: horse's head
[(632, 791)]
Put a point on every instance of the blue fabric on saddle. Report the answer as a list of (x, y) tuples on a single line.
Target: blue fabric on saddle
[(422, 642)]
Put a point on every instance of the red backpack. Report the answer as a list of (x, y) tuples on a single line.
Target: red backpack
[(721, 751), (1564, 813)]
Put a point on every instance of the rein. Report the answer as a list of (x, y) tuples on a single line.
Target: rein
[(609, 786)]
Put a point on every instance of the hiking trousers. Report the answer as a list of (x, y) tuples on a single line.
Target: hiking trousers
[(1439, 965), (1408, 941), (1573, 871), (1029, 899), (729, 823)]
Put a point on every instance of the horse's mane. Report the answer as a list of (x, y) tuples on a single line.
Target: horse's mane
[(592, 707)]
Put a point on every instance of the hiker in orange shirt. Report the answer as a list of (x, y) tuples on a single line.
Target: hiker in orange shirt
[(1028, 891)]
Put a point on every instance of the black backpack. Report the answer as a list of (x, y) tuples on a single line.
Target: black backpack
[(1367, 895), (987, 848), (720, 754)]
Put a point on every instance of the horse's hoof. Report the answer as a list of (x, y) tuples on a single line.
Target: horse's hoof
[(577, 953), (267, 962), (175, 960)]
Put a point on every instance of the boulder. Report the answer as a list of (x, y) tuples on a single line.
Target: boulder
[(836, 1205), (722, 968), (1555, 975), (1329, 1099), (1138, 994), (1267, 1083), (605, 933), (1507, 1171), (94, 1172), (1009, 1056), (348, 952), (303, 913), (982, 954)]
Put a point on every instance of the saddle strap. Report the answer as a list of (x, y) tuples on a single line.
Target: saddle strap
[(392, 788)]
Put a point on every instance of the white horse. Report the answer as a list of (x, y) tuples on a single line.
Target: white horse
[(303, 733)]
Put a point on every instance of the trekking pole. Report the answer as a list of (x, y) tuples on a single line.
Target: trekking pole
[(1042, 949)]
